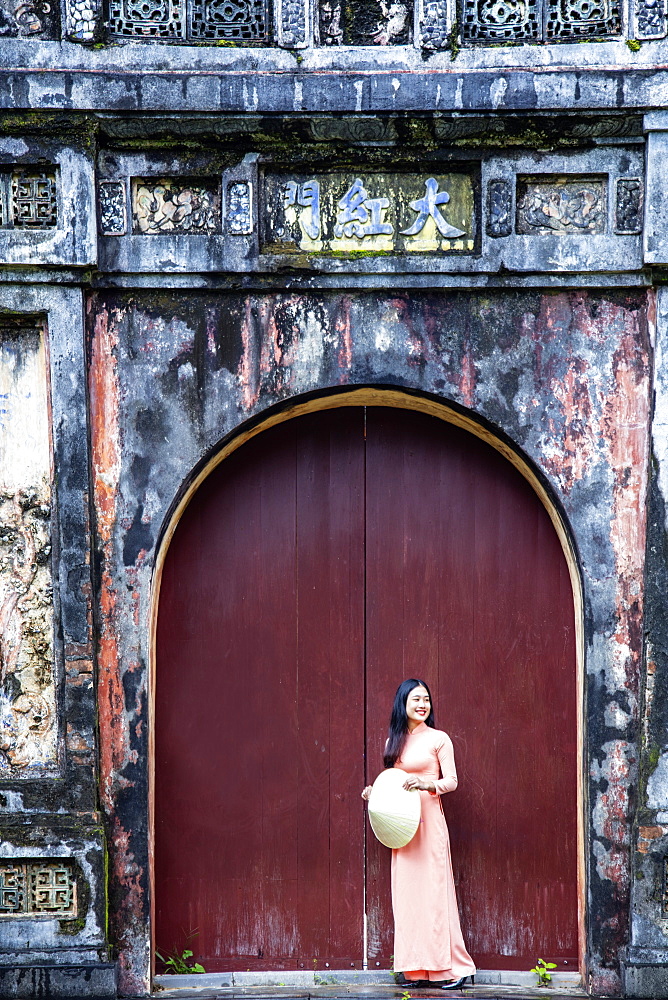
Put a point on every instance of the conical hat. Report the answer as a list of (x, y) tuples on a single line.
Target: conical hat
[(394, 812)]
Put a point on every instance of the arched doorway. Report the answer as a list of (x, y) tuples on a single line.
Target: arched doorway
[(322, 562)]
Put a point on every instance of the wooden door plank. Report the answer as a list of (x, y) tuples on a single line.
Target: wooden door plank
[(467, 586)]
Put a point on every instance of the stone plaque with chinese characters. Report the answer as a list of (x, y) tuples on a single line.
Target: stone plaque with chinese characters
[(369, 213)]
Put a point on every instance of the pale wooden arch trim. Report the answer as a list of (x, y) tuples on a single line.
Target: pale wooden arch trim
[(378, 396)]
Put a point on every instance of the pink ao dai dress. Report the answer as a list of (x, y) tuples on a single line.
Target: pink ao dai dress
[(428, 942)]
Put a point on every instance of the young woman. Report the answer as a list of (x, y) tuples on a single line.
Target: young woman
[(428, 943)]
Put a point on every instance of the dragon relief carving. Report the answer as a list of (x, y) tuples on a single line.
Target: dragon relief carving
[(27, 690)]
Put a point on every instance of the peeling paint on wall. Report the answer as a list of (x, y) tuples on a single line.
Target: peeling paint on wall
[(563, 375)]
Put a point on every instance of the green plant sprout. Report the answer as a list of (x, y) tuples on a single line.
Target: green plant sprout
[(541, 969), (177, 962)]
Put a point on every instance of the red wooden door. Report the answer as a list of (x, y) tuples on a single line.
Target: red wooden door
[(259, 706), (318, 566), (468, 588)]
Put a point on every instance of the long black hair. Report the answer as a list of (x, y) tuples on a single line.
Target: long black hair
[(398, 731)]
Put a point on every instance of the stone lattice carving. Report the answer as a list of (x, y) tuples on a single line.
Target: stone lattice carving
[(238, 215), (649, 18), (499, 208), (561, 205), (37, 888), (628, 205), (82, 19), (501, 19), (292, 17), (575, 18), (30, 19), (112, 202), (146, 18), (27, 686), (236, 20), (28, 198), (373, 22), (518, 20), (375, 131), (172, 205)]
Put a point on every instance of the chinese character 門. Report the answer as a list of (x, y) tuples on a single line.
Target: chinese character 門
[(428, 206), (360, 215), (306, 195)]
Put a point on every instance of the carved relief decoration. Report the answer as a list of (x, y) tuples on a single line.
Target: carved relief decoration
[(43, 888), (500, 20), (236, 20), (433, 24), (238, 216), (175, 205), (372, 22), (82, 19), (470, 129), (28, 738), (520, 20), (28, 198), (561, 205), (628, 205), (649, 18), (499, 208), (364, 130), (292, 17), (30, 19), (112, 200), (574, 18)]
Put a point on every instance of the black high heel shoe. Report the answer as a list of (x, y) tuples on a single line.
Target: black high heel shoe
[(457, 984)]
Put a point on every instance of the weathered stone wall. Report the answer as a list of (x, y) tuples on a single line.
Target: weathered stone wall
[(565, 377), (167, 188), (52, 865)]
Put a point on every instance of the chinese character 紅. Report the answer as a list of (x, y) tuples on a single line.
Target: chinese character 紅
[(428, 206), (360, 215), (306, 195)]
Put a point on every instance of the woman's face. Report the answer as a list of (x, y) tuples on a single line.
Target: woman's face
[(418, 705)]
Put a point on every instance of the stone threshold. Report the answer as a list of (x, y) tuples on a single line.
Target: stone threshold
[(347, 982)]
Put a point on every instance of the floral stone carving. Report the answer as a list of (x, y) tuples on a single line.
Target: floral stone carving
[(171, 205), (561, 205), (27, 688)]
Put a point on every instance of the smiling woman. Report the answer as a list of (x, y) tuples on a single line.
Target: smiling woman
[(428, 943)]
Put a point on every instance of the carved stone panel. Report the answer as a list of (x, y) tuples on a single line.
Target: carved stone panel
[(292, 18), (501, 20), (433, 24), (560, 205), (628, 205), (44, 888), (649, 18), (362, 130), (38, 19), (175, 205), (28, 736), (146, 18), (82, 19), (520, 20), (373, 212), (576, 18), (499, 208), (242, 21), (371, 22), (239, 208), (237, 20), (112, 205), (28, 198)]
